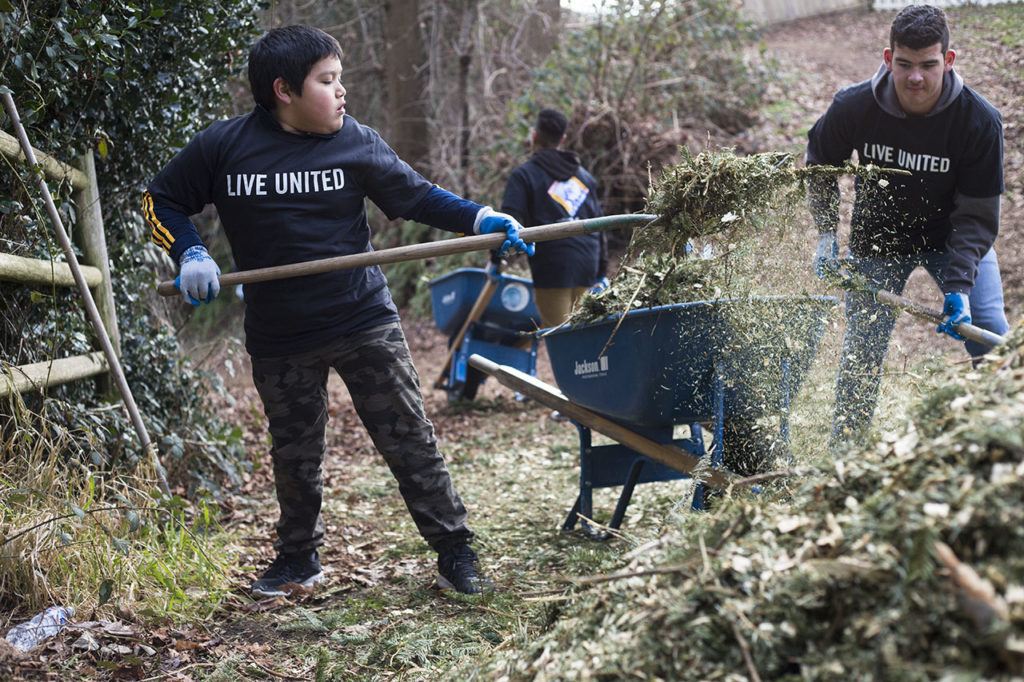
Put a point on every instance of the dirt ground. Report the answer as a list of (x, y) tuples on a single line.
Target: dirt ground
[(378, 616)]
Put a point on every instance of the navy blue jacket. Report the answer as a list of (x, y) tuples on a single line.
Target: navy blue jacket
[(553, 187)]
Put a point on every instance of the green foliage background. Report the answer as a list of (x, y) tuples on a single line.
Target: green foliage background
[(130, 81)]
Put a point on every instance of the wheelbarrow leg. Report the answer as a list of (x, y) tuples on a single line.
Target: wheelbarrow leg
[(697, 437), (585, 500), (627, 493), (574, 514), (718, 446), (718, 442)]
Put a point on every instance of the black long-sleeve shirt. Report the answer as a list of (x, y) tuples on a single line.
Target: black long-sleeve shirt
[(949, 202), (286, 198)]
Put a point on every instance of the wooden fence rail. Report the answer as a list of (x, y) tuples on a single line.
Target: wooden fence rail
[(38, 375), (34, 271), (91, 239)]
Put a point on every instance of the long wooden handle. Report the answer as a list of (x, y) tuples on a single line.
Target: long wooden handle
[(968, 331), (667, 454), (446, 247), (840, 276), (479, 306)]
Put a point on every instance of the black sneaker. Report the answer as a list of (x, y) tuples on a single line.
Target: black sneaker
[(288, 574), (458, 570)]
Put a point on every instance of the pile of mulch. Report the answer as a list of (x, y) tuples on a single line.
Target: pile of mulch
[(903, 561)]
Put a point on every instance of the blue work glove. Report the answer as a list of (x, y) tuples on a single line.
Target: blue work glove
[(599, 286), (827, 254), (489, 221), (199, 279), (957, 310)]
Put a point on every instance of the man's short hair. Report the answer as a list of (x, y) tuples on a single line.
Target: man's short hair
[(288, 52), (551, 126), (919, 26)]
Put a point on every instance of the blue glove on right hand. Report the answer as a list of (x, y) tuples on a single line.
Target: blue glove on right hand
[(599, 286), (199, 279), (957, 310), (490, 221), (827, 254)]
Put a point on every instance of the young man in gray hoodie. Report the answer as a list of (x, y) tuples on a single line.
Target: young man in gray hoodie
[(916, 115)]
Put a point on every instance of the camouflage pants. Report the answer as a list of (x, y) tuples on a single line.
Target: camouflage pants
[(378, 371)]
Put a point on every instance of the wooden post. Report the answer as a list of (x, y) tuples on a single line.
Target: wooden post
[(91, 238), (90, 304)]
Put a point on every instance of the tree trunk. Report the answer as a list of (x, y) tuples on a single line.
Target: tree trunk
[(541, 30), (404, 62), (466, 44)]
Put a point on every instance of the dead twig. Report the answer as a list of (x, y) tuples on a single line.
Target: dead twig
[(175, 673), (767, 476), (609, 577), (274, 673), (745, 651), (622, 317), (977, 595)]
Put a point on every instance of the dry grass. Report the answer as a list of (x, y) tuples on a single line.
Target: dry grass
[(76, 535)]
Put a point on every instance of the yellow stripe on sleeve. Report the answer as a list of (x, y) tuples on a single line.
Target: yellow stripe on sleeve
[(161, 235)]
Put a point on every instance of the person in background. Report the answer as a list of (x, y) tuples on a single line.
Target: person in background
[(553, 187), (915, 114)]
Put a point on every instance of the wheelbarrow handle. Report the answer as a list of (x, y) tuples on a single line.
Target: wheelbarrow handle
[(549, 396), (445, 247)]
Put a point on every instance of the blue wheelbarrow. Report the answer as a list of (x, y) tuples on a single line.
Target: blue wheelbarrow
[(495, 317), (733, 366)]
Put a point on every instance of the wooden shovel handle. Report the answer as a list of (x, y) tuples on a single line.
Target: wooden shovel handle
[(446, 247), (968, 331)]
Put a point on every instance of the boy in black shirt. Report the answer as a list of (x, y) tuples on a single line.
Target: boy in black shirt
[(553, 187), (915, 114), (289, 181)]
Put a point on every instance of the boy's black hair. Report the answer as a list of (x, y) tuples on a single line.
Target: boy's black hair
[(550, 128), (288, 52), (919, 26)]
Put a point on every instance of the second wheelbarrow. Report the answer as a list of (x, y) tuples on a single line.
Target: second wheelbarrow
[(503, 331)]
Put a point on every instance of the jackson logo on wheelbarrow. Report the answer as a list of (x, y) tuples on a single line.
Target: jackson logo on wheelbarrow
[(591, 370)]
